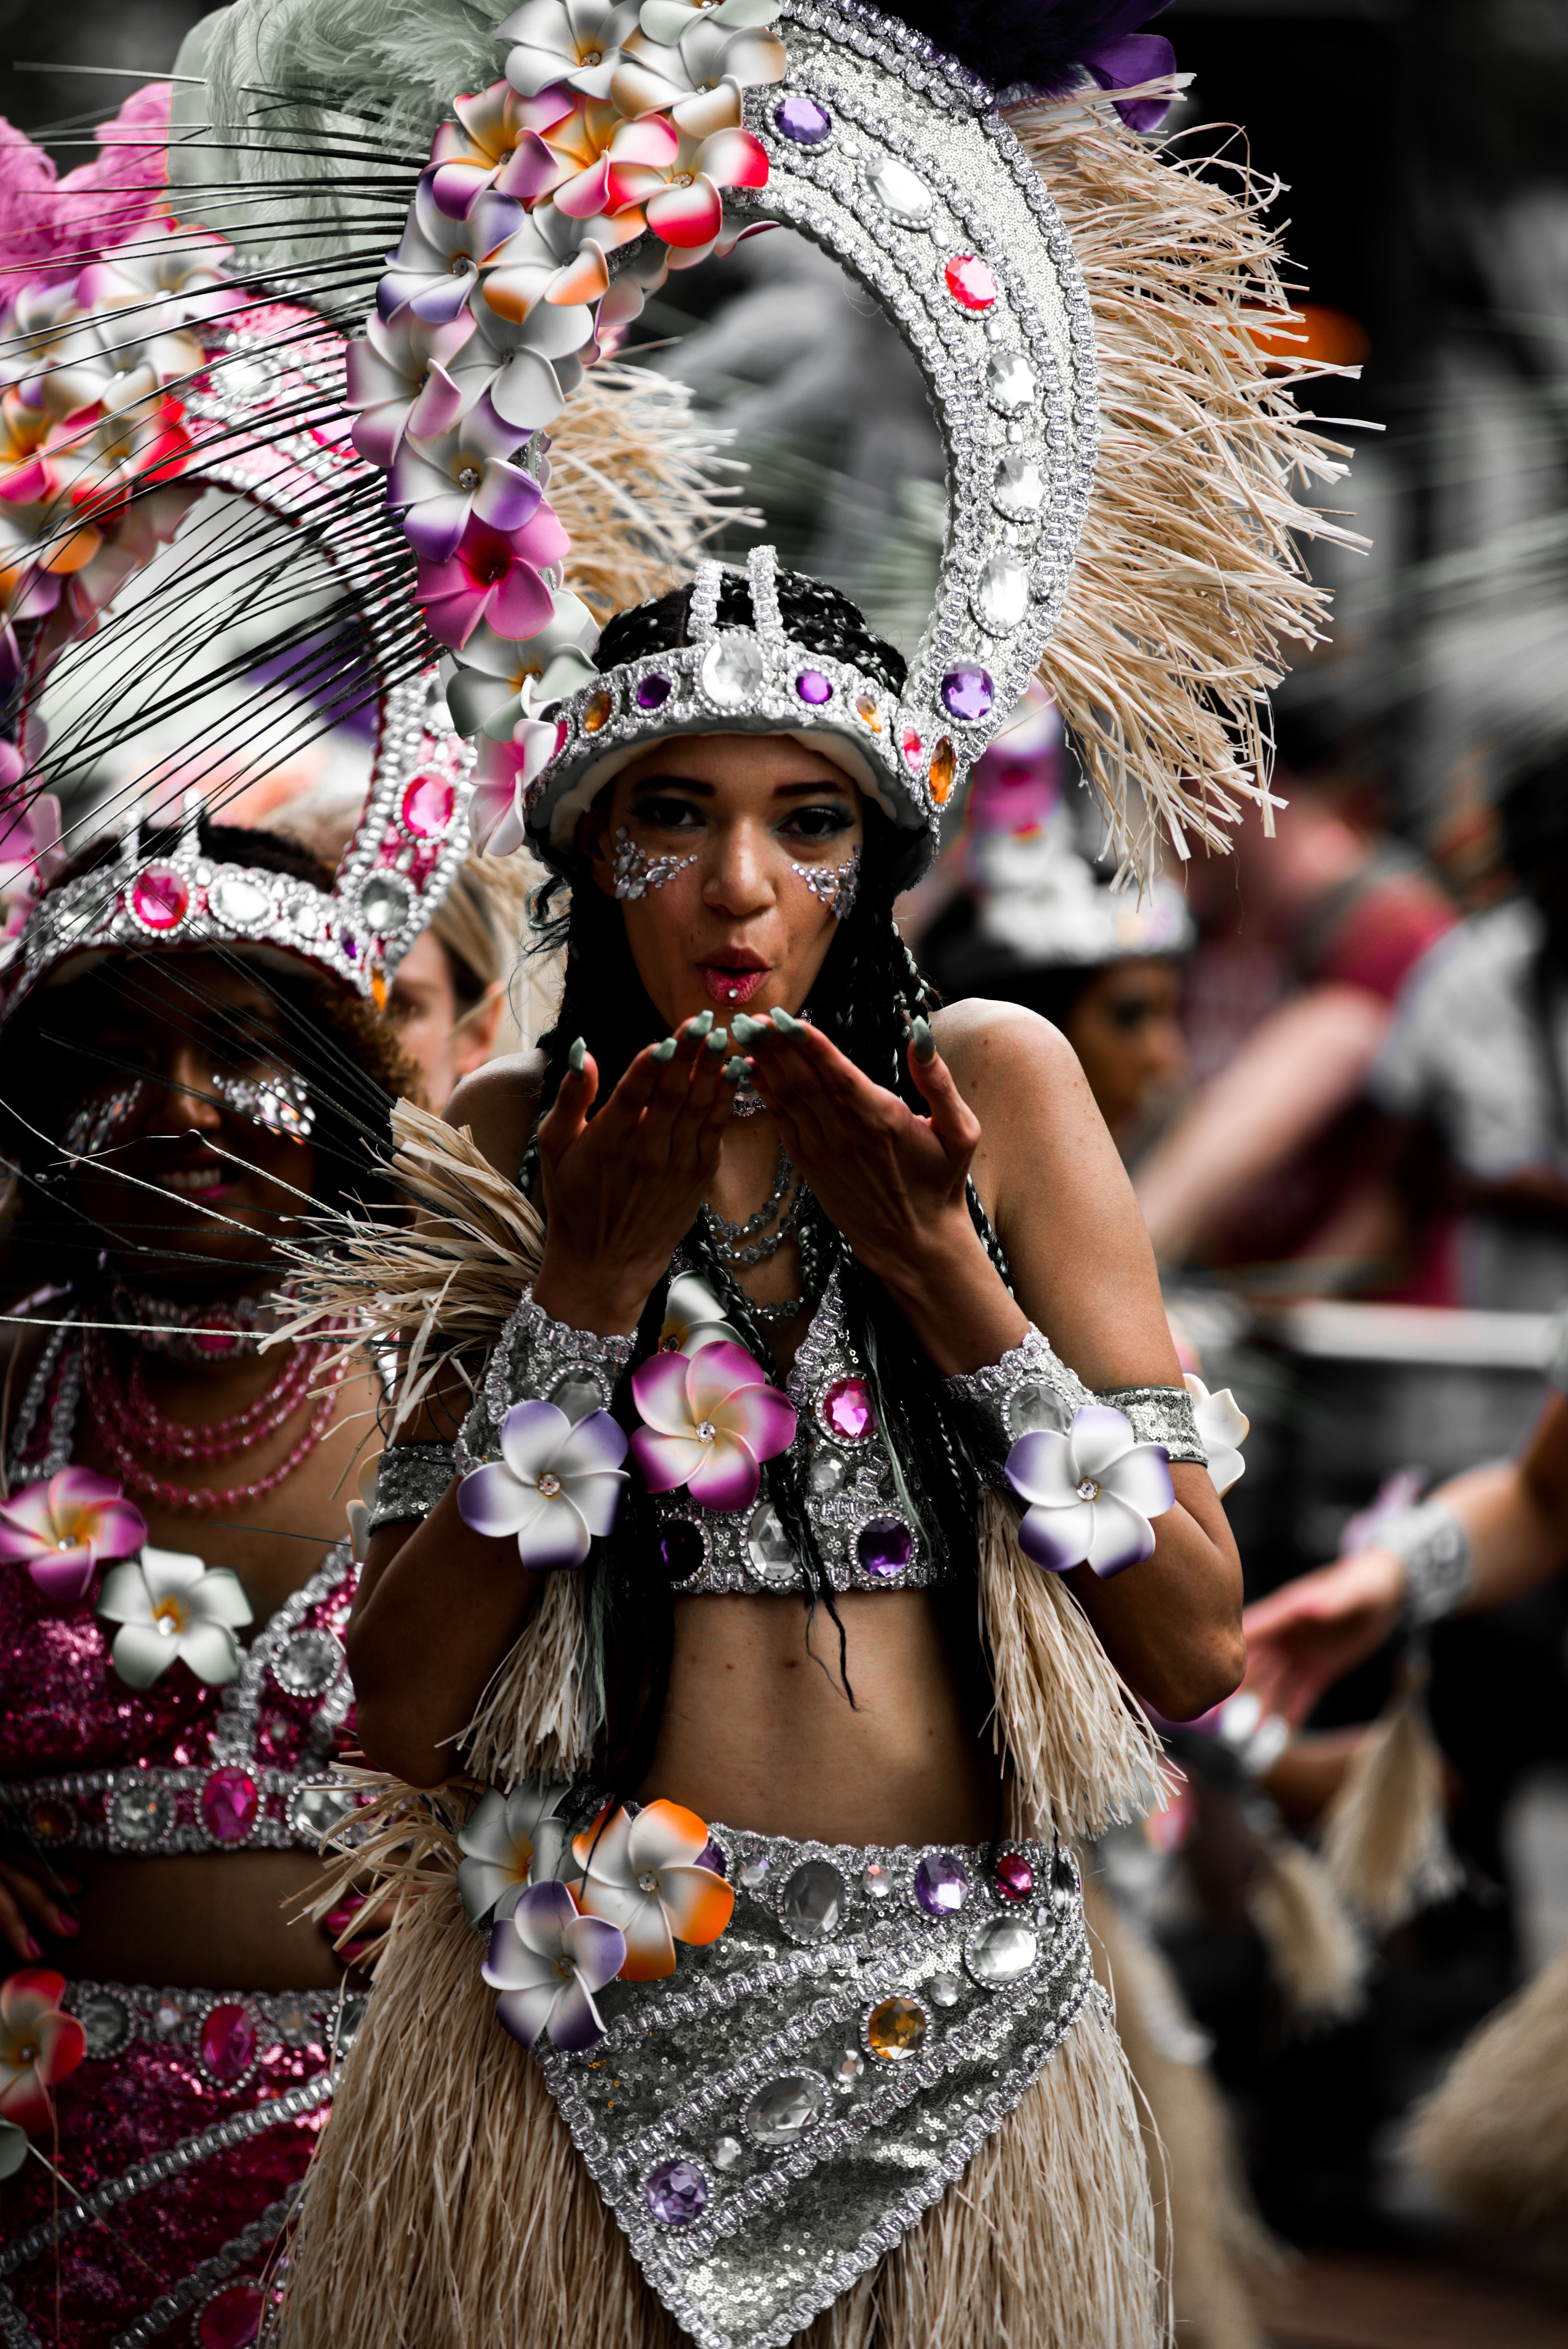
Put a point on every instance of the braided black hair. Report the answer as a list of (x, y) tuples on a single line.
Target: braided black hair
[(815, 616)]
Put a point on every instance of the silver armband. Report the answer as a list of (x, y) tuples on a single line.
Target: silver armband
[(410, 1478), (1440, 1564), (537, 1360), (1161, 1416), (1029, 1391)]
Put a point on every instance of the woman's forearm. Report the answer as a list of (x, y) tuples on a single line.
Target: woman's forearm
[(1171, 1625)]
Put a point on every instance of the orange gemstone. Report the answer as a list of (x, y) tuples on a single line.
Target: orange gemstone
[(895, 2029), (868, 713), (943, 767), (596, 710), (51, 1822), (378, 988)]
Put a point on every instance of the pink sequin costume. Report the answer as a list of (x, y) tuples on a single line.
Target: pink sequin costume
[(187, 2130)]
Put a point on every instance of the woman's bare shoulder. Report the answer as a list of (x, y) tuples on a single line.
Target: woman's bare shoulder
[(497, 1105), (990, 1047)]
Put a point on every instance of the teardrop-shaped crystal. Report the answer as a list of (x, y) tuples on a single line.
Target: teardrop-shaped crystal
[(732, 671), (1010, 382), (1001, 596), (902, 193), (769, 1547), (1018, 484)]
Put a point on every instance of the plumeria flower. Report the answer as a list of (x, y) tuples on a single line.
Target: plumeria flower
[(499, 682), (30, 851), (435, 266), (38, 2045), (1091, 1492), (397, 377), (509, 1841), (573, 41), (169, 1604), (665, 21), (694, 1318), (502, 774), (547, 1961), (670, 168), (436, 483), (709, 1419), (186, 276), (143, 523), (1222, 1427), (495, 142), (652, 74), (529, 367), (64, 1530), (12, 2147), (494, 575), (644, 1874), (555, 1486)]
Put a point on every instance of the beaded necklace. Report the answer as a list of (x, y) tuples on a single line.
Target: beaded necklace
[(121, 1415)]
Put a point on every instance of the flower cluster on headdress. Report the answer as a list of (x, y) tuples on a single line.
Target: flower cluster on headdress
[(612, 122), (92, 433)]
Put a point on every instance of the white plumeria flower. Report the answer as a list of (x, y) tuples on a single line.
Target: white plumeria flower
[(709, 46), (171, 1605), (647, 1875), (511, 1841), (499, 682), (1222, 1427), (547, 1961), (1091, 1492), (555, 1486), (693, 1318), (577, 42)]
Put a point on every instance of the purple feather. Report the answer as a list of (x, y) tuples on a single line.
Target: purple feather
[(1041, 43)]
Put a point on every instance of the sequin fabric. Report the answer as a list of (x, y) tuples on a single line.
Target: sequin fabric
[(126, 2253), (769, 2120)]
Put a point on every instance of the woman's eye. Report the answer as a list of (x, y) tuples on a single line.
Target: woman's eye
[(668, 815), (817, 823)]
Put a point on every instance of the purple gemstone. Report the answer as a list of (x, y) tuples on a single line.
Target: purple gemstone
[(802, 121), (885, 1547), (681, 1549), (941, 1886), (653, 691), (711, 1856), (968, 693), (813, 686), (847, 1409), (676, 2192)]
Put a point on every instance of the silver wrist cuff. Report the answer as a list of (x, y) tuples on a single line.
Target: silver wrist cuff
[(1161, 1416), (1440, 1564), (410, 1478), (537, 1360), (1031, 1388)]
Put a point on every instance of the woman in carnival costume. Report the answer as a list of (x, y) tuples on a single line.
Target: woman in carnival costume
[(194, 1065), (732, 1623)]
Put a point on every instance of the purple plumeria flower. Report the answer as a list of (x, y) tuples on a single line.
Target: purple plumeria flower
[(438, 480), (435, 267), (555, 1486), (1091, 1492), (709, 1419), (397, 381), (547, 1961)]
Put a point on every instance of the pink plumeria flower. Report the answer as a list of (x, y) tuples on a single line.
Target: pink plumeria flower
[(494, 575), (38, 2047), (64, 1530), (495, 142), (709, 1419), (170, 1607), (396, 376), (576, 42), (1091, 1492), (555, 1486), (498, 682), (508, 1842), (437, 482), (644, 1874), (670, 168), (503, 774), (435, 267), (547, 1961), (1223, 1429)]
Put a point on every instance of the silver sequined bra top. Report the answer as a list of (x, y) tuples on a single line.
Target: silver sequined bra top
[(864, 1507)]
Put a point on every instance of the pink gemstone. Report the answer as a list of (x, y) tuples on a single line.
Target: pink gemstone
[(279, 1737), (427, 805), (847, 1409), (230, 1801), (215, 1341), (228, 2040), (911, 747), (233, 2317), (969, 282), (1015, 1877), (159, 897)]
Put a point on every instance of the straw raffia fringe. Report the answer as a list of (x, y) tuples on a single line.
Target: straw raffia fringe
[(1493, 2138), (449, 2208), (1188, 577), (1318, 1959), (1384, 1841)]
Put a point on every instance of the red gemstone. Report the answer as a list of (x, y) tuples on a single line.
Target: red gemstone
[(159, 897), (847, 1409), (228, 2040), (970, 282), (230, 1801), (233, 2317), (910, 746), (1015, 1877), (427, 805)]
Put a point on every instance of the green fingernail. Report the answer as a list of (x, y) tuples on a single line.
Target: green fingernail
[(923, 1040), (734, 1070), (578, 1054), (745, 1029), (719, 1040), (700, 1025), (785, 1022), (665, 1051)]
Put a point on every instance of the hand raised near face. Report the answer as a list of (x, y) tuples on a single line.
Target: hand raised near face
[(620, 1187)]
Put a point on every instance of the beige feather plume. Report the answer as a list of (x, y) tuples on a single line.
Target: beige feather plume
[(1317, 1958), (1493, 2138), (1384, 1841)]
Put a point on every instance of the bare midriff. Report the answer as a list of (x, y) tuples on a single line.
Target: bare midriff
[(758, 1732), (197, 1920)]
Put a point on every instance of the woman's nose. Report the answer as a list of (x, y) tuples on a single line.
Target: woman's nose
[(737, 883), (192, 1092)]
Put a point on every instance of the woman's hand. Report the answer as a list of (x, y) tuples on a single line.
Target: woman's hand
[(1304, 1638), (23, 1897), (621, 1188)]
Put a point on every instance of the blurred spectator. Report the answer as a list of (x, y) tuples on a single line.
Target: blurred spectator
[(1278, 1171)]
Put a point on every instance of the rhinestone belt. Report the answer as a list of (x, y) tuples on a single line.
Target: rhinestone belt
[(230, 1807), (224, 2034), (769, 2120)]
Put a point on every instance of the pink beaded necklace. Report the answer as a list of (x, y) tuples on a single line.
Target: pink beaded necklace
[(123, 1417)]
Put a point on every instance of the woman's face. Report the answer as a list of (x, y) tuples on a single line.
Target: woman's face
[(161, 1057), (443, 1041), (1126, 1029), (731, 922)]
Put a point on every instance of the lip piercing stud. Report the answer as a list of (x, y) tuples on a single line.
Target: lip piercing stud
[(636, 873), (837, 885)]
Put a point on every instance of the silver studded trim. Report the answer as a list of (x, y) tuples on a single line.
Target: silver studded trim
[(532, 1359), (1160, 1415), (992, 1399)]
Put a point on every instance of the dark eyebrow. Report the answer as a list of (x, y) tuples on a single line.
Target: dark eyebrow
[(815, 783)]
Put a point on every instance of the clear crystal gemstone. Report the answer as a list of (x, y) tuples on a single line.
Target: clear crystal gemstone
[(317, 1810), (877, 1879), (1010, 382), (234, 897), (733, 671), (306, 1664), (851, 2065), (813, 1900), (754, 1863), (105, 2024), (1018, 484), (141, 1814), (1087, 1489), (576, 1395), (769, 1549), (728, 2152), (1001, 597), (1001, 1949), (1038, 1410), (385, 904), (782, 2110), (902, 193), (944, 1990), (827, 1472)]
